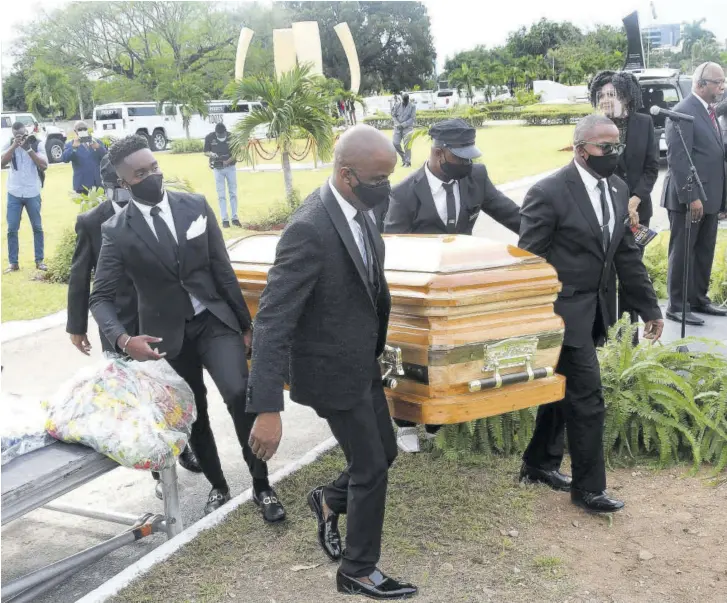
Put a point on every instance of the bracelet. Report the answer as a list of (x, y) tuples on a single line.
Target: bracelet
[(126, 343)]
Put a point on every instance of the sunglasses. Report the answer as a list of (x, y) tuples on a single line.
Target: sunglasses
[(608, 148)]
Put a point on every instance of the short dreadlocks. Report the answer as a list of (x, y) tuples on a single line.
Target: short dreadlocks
[(121, 149), (626, 85)]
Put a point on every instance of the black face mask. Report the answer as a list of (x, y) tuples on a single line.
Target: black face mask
[(371, 195), (149, 191), (456, 171), (603, 165)]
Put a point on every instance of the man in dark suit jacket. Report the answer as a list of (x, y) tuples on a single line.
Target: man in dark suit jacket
[(323, 319), (575, 220), (446, 196), (705, 142), (171, 247)]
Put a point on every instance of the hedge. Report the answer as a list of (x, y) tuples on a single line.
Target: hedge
[(425, 119), (187, 145), (548, 115)]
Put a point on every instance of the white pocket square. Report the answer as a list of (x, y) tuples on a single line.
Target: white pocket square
[(196, 228)]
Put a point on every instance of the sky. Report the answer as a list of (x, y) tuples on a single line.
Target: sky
[(462, 24)]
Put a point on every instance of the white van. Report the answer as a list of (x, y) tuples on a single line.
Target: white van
[(446, 98), (122, 119)]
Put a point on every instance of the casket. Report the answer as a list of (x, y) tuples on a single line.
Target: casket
[(472, 331)]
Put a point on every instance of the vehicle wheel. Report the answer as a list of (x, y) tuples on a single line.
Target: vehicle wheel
[(158, 141), (54, 149)]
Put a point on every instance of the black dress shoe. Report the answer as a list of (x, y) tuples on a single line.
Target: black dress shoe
[(271, 508), (158, 492), (216, 499), (383, 587), (595, 502), (553, 478), (328, 535), (695, 321), (710, 309), (236, 222), (189, 461)]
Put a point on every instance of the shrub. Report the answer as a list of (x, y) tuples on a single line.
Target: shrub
[(59, 267), (89, 199), (187, 145), (426, 119), (546, 115), (278, 215), (523, 98), (659, 402)]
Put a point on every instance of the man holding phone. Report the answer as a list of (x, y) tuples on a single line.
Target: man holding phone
[(217, 148), (84, 153), (28, 163)]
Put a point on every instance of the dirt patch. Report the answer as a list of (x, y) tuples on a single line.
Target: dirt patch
[(469, 532)]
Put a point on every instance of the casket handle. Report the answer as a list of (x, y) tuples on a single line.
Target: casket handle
[(391, 361), (498, 380)]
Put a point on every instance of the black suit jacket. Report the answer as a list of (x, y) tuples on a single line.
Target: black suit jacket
[(639, 165), (319, 320), (203, 270), (412, 210), (85, 259), (706, 145), (560, 225)]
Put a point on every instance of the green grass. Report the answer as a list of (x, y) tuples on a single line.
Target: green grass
[(510, 153)]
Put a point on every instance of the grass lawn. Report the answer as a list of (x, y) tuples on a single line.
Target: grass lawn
[(510, 153)]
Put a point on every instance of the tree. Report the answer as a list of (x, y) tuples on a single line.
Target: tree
[(466, 78), (541, 37), (49, 88), (184, 92), (14, 92), (393, 41), (694, 32), (292, 108)]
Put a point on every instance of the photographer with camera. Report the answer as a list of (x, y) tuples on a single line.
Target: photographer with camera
[(217, 148), (85, 153), (28, 164)]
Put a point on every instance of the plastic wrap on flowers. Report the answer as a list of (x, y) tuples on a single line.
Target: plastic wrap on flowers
[(21, 427), (138, 413)]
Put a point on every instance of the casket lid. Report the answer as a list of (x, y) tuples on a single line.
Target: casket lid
[(433, 254)]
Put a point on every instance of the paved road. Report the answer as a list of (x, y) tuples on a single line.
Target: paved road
[(38, 364)]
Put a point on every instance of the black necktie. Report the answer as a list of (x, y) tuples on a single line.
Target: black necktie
[(164, 235), (451, 208), (606, 215), (370, 252)]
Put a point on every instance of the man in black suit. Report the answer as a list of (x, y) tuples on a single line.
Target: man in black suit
[(322, 320), (705, 143), (446, 196), (171, 247), (618, 95), (575, 220), (85, 259)]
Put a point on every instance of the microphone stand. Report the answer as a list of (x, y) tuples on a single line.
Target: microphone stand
[(691, 180)]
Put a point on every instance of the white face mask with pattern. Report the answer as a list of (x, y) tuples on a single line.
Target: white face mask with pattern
[(610, 104)]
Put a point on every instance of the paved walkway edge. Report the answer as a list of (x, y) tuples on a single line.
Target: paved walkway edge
[(163, 552)]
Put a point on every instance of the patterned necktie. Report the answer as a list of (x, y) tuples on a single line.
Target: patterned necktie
[(713, 117), (451, 208), (606, 231)]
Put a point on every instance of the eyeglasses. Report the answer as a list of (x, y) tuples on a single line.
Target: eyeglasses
[(608, 148), (718, 82)]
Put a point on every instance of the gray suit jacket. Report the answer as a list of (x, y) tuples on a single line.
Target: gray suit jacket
[(706, 145), (320, 325), (404, 116)]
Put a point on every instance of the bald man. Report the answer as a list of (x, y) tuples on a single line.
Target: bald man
[(324, 315), (705, 142)]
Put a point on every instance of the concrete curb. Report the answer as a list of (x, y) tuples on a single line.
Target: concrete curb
[(16, 329), (163, 552)]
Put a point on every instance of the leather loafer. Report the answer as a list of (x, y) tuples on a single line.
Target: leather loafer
[(695, 321), (328, 535), (553, 478), (595, 502), (383, 587), (268, 503), (710, 309), (216, 499), (189, 461)]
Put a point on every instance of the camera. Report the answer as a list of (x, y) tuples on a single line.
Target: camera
[(85, 139)]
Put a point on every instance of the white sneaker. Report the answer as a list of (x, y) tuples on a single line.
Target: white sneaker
[(407, 439)]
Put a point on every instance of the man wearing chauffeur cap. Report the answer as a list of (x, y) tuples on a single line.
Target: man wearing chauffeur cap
[(445, 196)]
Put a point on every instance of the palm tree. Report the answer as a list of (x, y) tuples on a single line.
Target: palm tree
[(693, 33), (292, 107), (465, 77), (185, 93), (49, 87)]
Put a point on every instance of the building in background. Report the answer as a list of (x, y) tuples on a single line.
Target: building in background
[(662, 37)]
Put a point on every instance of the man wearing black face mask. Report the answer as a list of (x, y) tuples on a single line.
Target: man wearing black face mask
[(171, 247), (85, 259), (575, 220), (324, 314), (446, 196)]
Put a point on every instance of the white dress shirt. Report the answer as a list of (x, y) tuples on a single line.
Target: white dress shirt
[(705, 104), (439, 194), (594, 193), (350, 212), (165, 214), (118, 208)]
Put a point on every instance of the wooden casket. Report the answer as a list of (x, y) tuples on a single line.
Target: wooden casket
[(472, 331)]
